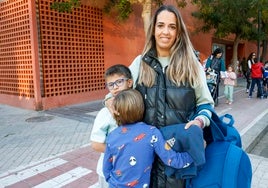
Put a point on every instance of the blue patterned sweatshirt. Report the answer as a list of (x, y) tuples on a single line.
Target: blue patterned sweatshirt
[(130, 153)]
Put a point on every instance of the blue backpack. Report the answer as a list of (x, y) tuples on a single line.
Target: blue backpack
[(221, 129), (227, 164)]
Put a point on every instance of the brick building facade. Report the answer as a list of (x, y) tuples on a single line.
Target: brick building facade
[(50, 59)]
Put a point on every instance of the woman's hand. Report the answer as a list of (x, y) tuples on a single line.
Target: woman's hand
[(198, 122)]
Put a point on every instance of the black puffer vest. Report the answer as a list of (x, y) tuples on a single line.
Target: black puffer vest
[(165, 104)]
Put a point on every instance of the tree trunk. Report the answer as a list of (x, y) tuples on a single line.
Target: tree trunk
[(146, 14), (264, 50), (234, 59)]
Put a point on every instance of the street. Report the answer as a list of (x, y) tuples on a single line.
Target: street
[(56, 151)]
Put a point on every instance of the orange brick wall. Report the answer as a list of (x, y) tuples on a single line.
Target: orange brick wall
[(16, 71), (72, 50), (66, 66), (123, 41), (50, 59)]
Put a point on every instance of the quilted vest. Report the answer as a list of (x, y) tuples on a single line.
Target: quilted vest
[(166, 103)]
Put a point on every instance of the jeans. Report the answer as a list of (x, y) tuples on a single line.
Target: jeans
[(257, 81), (247, 76)]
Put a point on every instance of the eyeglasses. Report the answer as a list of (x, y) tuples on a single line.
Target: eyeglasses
[(118, 83)]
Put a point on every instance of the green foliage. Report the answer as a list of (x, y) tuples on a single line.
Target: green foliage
[(66, 6), (121, 7), (228, 17), (181, 3), (264, 17)]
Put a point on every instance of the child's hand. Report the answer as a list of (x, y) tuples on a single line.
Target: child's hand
[(109, 104)]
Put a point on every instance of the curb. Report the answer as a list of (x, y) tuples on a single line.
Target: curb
[(252, 136)]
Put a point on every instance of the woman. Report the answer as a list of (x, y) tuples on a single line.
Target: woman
[(216, 63), (245, 70), (250, 61), (171, 81)]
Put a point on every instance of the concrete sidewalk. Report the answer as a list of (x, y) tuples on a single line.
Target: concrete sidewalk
[(61, 137)]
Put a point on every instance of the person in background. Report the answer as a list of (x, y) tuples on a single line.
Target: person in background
[(256, 76), (118, 78), (244, 67), (171, 80), (265, 79), (131, 147), (250, 61), (229, 82), (246, 72), (216, 63)]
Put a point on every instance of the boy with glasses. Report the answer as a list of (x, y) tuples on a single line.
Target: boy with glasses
[(117, 78)]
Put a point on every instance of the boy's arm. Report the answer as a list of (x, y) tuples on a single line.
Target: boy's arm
[(99, 147), (169, 156), (100, 130)]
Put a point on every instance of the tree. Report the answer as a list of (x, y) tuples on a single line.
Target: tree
[(264, 27), (122, 7), (229, 17)]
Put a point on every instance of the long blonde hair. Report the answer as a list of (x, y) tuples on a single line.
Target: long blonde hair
[(184, 66)]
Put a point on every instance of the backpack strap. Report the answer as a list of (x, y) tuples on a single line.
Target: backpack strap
[(231, 166), (227, 119)]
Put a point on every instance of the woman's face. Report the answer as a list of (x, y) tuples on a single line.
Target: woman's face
[(165, 32), (219, 55)]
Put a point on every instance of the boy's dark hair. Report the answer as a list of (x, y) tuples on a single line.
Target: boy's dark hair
[(118, 69), (129, 107)]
